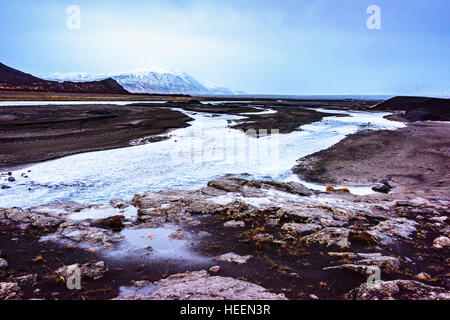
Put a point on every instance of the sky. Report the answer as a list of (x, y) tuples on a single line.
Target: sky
[(298, 47)]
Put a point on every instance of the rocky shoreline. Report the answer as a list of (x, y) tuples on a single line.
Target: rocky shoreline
[(259, 240), (236, 238)]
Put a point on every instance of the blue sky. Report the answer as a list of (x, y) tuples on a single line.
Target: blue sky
[(259, 46)]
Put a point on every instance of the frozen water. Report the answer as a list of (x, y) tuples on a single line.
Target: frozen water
[(188, 160)]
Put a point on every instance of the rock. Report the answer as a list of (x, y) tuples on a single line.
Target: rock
[(227, 183), (403, 203), (214, 269), (441, 242), (272, 221), (10, 291), (83, 232), (382, 187), (397, 289), (423, 276), (27, 218), (4, 186), (234, 224), (118, 203), (264, 237), (331, 236), (11, 179), (199, 285), (204, 234), (44, 222), (363, 266), (204, 207), (300, 227), (115, 223), (3, 264), (92, 271), (389, 231), (386, 263), (28, 280), (233, 258), (289, 187), (178, 235)]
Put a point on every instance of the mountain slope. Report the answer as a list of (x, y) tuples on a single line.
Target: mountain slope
[(419, 108), (12, 79), (155, 80)]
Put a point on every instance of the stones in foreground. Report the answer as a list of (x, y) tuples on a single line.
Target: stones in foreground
[(397, 289), (232, 257), (383, 187), (199, 285), (441, 242), (10, 291), (92, 271)]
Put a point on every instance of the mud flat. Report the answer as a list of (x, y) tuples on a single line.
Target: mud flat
[(415, 159), (36, 133), (30, 134)]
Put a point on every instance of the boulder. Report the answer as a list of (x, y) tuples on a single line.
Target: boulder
[(227, 183), (26, 281), (397, 289), (199, 285), (10, 291), (118, 203), (114, 223), (300, 227), (234, 224), (391, 230), (92, 271), (331, 236), (3, 264), (233, 258), (441, 242)]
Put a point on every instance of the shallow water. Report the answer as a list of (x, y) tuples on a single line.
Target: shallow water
[(154, 243), (188, 160)]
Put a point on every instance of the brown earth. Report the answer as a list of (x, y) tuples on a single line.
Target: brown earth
[(31, 134), (36, 133), (414, 158)]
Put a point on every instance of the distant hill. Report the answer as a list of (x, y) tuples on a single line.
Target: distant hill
[(12, 79), (419, 108), (154, 80)]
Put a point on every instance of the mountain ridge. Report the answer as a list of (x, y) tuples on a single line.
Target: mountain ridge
[(155, 80), (13, 79)]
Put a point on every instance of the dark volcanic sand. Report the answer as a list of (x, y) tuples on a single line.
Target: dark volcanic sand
[(36, 133), (31, 134), (415, 158)]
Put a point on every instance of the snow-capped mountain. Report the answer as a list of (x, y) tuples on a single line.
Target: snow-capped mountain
[(154, 80)]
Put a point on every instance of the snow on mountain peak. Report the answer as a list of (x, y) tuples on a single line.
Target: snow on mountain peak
[(148, 80)]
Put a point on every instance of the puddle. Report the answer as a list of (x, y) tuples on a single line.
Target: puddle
[(155, 244)]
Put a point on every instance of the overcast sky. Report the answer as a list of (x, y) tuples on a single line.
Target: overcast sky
[(259, 46)]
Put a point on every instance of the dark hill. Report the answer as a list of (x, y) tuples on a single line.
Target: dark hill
[(419, 108), (12, 79)]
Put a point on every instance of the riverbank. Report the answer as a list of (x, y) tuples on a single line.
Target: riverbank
[(30, 134), (414, 159), (249, 238)]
